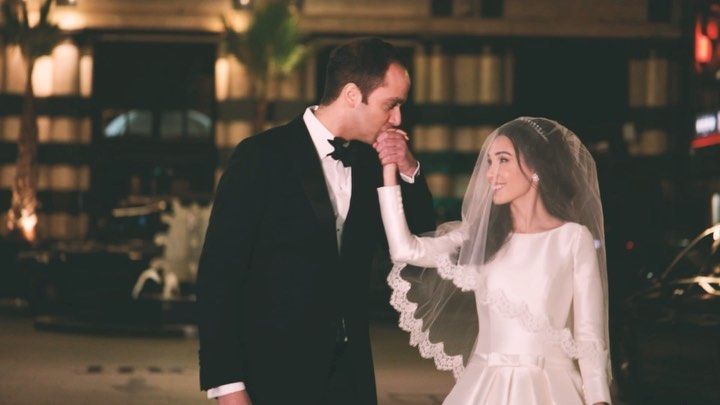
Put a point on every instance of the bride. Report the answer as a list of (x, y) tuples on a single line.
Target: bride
[(513, 298)]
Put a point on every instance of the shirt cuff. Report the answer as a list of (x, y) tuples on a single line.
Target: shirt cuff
[(225, 390), (408, 179)]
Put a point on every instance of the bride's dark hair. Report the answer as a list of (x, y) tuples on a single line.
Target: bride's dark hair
[(539, 142)]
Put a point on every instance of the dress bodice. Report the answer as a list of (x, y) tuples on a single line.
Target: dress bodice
[(537, 270), (541, 294)]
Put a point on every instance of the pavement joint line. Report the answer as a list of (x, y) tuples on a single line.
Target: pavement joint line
[(131, 369)]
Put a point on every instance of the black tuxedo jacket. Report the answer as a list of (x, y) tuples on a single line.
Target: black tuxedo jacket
[(272, 283)]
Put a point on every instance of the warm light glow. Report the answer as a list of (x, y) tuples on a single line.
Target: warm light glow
[(703, 49), (70, 19), (711, 29), (7, 176), (240, 21), (2, 70), (33, 10), (42, 77), (15, 71), (240, 80), (33, 17), (241, 4), (86, 75), (27, 222), (703, 46), (222, 78), (706, 283), (64, 177), (62, 129), (66, 70)]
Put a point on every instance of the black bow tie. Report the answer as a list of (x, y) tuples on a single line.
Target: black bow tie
[(343, 151)]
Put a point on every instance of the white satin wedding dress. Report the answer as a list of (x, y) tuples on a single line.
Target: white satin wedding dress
[(540, 304)]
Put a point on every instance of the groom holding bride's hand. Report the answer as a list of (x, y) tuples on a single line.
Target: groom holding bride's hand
[(284, 275)]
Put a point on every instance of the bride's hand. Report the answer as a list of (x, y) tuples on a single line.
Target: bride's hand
[(390, 174), (392, 147)]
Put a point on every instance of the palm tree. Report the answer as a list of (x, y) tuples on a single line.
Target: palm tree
[(34, 41), (270, 48)]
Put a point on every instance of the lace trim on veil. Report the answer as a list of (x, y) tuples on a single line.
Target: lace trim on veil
[(497, 300), (463, 279), (414, 326)]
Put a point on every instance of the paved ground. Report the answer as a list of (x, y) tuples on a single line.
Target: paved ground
[(40, 367), (60, 368)]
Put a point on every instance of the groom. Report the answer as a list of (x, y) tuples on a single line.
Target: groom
[(284, 274)]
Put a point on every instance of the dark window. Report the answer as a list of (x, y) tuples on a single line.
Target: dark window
[(441, 8), (468, 8), (491, 8), (155, 90), (155, 109), (659, 10)]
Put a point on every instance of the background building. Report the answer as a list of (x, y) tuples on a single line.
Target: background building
[(141, 103), (140, 99)]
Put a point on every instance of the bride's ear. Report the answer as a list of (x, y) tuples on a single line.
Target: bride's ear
[(526, 169)]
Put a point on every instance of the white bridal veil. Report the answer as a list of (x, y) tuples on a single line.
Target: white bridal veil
[(437, 304)]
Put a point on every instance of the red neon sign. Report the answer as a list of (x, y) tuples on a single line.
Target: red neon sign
[(711, 29), (703, 45), (705, 141)]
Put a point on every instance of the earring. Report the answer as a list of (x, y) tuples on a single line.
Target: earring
[(535, 178)]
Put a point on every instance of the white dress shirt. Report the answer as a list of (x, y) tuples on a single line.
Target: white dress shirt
[(338, 179)]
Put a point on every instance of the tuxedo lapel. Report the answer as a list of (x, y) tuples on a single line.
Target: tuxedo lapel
[(358, 178), (303, 154), (362, 178)]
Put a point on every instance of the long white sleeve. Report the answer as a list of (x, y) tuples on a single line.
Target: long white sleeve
[(405, 247), (589, 320)]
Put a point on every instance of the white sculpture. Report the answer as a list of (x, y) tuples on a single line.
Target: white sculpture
[(183, 244)]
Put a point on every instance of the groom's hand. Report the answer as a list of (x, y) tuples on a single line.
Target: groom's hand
[(392, 147), (236, 398)]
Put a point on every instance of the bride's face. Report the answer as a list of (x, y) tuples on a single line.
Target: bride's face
[(507, 174)]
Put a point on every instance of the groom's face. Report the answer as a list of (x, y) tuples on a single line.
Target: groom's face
[(382, 110)]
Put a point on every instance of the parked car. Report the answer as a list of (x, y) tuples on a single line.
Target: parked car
[(668, 347), (126, 278)]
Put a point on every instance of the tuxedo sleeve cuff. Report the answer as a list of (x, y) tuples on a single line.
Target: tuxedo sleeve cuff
[(409, 179), (225, 390)]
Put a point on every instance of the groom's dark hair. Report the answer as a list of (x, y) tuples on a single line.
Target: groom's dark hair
[(363, 62)]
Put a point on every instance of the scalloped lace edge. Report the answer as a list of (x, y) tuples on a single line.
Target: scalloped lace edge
[(414, 326), (496, 300)]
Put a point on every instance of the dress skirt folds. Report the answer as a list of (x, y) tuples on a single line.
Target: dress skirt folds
[(497, 378), (538, 308)]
